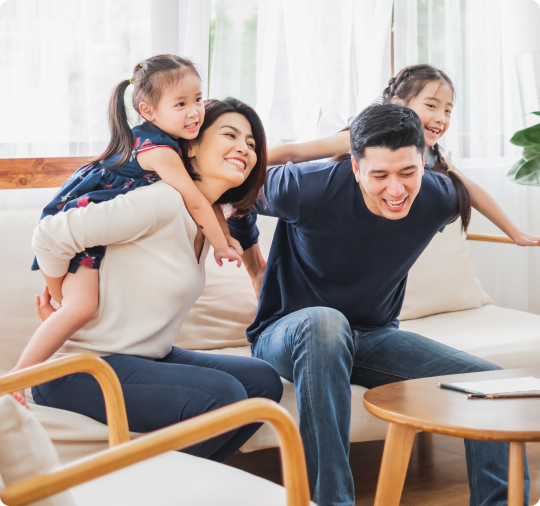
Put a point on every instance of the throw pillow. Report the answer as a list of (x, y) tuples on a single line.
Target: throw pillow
[(443, 279), (26, 450)]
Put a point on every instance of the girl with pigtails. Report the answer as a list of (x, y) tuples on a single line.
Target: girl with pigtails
[(429, 92), (167, 94)]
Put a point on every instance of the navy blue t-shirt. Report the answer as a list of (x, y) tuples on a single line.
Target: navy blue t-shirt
[(330, 250)]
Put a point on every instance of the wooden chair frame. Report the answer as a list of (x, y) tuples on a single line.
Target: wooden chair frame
[(124, 453), (20, 173)]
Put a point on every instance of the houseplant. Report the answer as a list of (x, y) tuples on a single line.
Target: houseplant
[(527, 169)]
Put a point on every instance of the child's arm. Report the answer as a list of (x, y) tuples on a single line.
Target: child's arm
[(313, 150), (485, 204), (231, 241), (170, 168)]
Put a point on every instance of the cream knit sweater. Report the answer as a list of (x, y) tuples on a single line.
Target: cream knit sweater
[(149, 278)]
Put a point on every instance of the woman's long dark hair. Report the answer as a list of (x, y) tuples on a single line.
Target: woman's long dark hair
[(150, 78), (243, 197), (406, 85)]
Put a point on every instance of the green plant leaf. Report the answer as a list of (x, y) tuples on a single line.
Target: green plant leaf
[(537, 113), (526, 172), (530, 152), (527, 137)]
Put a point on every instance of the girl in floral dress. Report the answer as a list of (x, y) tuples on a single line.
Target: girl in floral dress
[(167, 94)]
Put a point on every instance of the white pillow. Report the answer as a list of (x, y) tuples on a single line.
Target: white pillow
[(228, 304), (26, 450), (443, 279), (18, 284)]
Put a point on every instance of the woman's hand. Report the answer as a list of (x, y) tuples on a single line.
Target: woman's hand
[(230, 254), (524, 239), (44, 307)]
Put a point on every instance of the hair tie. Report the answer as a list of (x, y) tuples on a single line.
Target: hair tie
[(140, 64), (130, 81), (449, 170)]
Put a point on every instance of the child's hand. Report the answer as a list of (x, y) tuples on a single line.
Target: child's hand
[(230, 254), (20, 399), (234, 244), (524, 239), (44, 307)]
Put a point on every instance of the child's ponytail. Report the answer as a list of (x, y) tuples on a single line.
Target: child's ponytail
[(121, 136), (464, 199), (150, 78)]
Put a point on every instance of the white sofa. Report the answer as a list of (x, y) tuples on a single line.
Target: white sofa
[(444, 301)]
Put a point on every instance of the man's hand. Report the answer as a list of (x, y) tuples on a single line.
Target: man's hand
[(44, 307)]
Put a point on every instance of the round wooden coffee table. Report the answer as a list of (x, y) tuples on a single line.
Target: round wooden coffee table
[(420, 405)]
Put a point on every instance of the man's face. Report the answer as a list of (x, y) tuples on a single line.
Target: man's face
[(390, 180)]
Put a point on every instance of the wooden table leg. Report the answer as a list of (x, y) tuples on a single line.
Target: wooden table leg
[(516, 474), (396, 455)]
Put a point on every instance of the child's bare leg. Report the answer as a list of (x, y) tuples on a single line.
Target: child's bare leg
[(79, 304)]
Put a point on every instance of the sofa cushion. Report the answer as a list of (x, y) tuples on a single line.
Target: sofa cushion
[(18, 284), (228, 303), (443, 279), (507, 337), (25, 449)]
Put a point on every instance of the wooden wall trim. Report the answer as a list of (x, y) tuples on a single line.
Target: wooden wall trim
[(21, 173)]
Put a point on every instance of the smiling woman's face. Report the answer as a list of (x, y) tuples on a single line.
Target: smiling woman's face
[(226, 154)]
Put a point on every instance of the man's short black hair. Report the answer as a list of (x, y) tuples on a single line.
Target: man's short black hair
[(386, 126)]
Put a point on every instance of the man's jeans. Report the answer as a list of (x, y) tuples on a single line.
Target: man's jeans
[(317, 350)]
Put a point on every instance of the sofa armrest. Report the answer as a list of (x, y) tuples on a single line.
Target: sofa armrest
[(180, 435), (490, 238), (84, 362)]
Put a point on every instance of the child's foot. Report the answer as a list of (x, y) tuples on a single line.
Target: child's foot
[(19, 398)]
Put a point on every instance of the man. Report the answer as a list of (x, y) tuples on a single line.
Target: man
[(332, 290)]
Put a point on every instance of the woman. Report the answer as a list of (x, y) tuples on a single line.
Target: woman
[(151, 275)]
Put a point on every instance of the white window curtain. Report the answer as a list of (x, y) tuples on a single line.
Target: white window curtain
[(491, 50), (307, 66)]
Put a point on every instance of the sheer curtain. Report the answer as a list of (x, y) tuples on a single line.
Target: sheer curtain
[(307, 66), (491, 50)]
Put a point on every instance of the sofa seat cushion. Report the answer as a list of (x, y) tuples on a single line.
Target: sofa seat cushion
[(504, 336), (176, 478)]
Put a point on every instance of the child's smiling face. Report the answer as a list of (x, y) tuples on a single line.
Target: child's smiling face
[(434, 107), (180, 110)]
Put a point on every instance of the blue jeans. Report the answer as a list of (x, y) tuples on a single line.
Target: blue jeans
[(181, 385), (317, 350)]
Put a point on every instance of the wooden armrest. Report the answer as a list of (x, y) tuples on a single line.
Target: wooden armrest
[(84, 362), (38, 172), (490, 238), (180, 435)]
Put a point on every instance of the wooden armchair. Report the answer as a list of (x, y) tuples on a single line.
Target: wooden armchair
[(123, 452)]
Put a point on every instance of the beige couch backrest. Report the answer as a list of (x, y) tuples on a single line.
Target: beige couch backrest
[(442, 280)]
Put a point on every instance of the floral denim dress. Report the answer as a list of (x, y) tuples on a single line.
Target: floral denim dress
[(97, 182)]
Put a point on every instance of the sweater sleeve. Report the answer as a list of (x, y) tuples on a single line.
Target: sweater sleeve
[(57, 239)]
